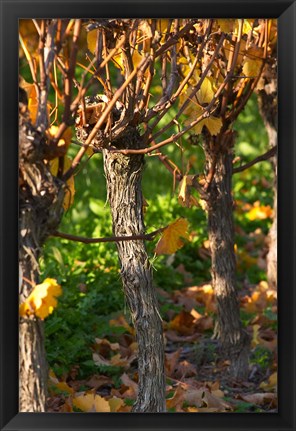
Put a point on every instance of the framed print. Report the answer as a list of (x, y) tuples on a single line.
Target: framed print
[(147, 215)]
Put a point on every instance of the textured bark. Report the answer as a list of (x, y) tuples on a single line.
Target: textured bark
[(268, 106), (234, 340), (40, 211), (123, 176)]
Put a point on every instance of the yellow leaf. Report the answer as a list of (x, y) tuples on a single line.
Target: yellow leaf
[(247, 26), (260, 212), (194, 110), (271, 383), (253, 61), (170, 240), (251, 68), (70, 190), (32, 99), (226, 25), (42, 299), (255, 339), (185, 198), (90, 402), (161, 27), (92, 40), (25, 309), (30, 37), (65, 141), (213, 124), (69, 194), (115, 404), (206, 92)]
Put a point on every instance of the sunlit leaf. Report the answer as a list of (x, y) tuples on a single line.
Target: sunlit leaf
[(65, 141), (271, 384), (90, 402), (260, 212), (253, 61), (42, 300), (206, 92), (185, 198), (171, 239), (92, 40), (115, 404), (226, 25), (70, 189)]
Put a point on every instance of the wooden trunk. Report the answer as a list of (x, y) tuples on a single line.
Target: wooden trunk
[(123, 176), (40, 211), (234, 340)]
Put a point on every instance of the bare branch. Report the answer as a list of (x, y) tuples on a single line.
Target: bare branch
[(175, 38), (70, 73), (270, 153), (145, 237), (102, 119)]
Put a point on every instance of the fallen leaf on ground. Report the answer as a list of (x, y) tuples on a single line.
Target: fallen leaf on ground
[(133, 386), (183, 323), (171, 361), (271, 383), (115, 404), (96, 381), (260, 399), (90, 402), (185, 369)]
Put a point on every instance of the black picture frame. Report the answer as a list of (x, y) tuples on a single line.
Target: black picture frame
[(10, 12)]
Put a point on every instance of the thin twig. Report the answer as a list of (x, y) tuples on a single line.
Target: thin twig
[(144, 237), (270, 153), (175, 38), (68, 83)]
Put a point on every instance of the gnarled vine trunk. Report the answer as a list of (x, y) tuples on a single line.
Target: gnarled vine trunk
[(123, 176), (268, 106), (40, 211), (234, 340)]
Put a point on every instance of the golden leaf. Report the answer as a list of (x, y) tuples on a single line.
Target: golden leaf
[(65, 141), (115, 404), (260, 212), (185, 198), (213, 124), (194, 110), (70, 190), (90, 402), (271, 384), (42, 300), (206, 92), (30, 37), (161, 27), (247, 26), (32, 99), (251, 68), (253, 61), (170, 240), (92, 40), (226, 25)]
